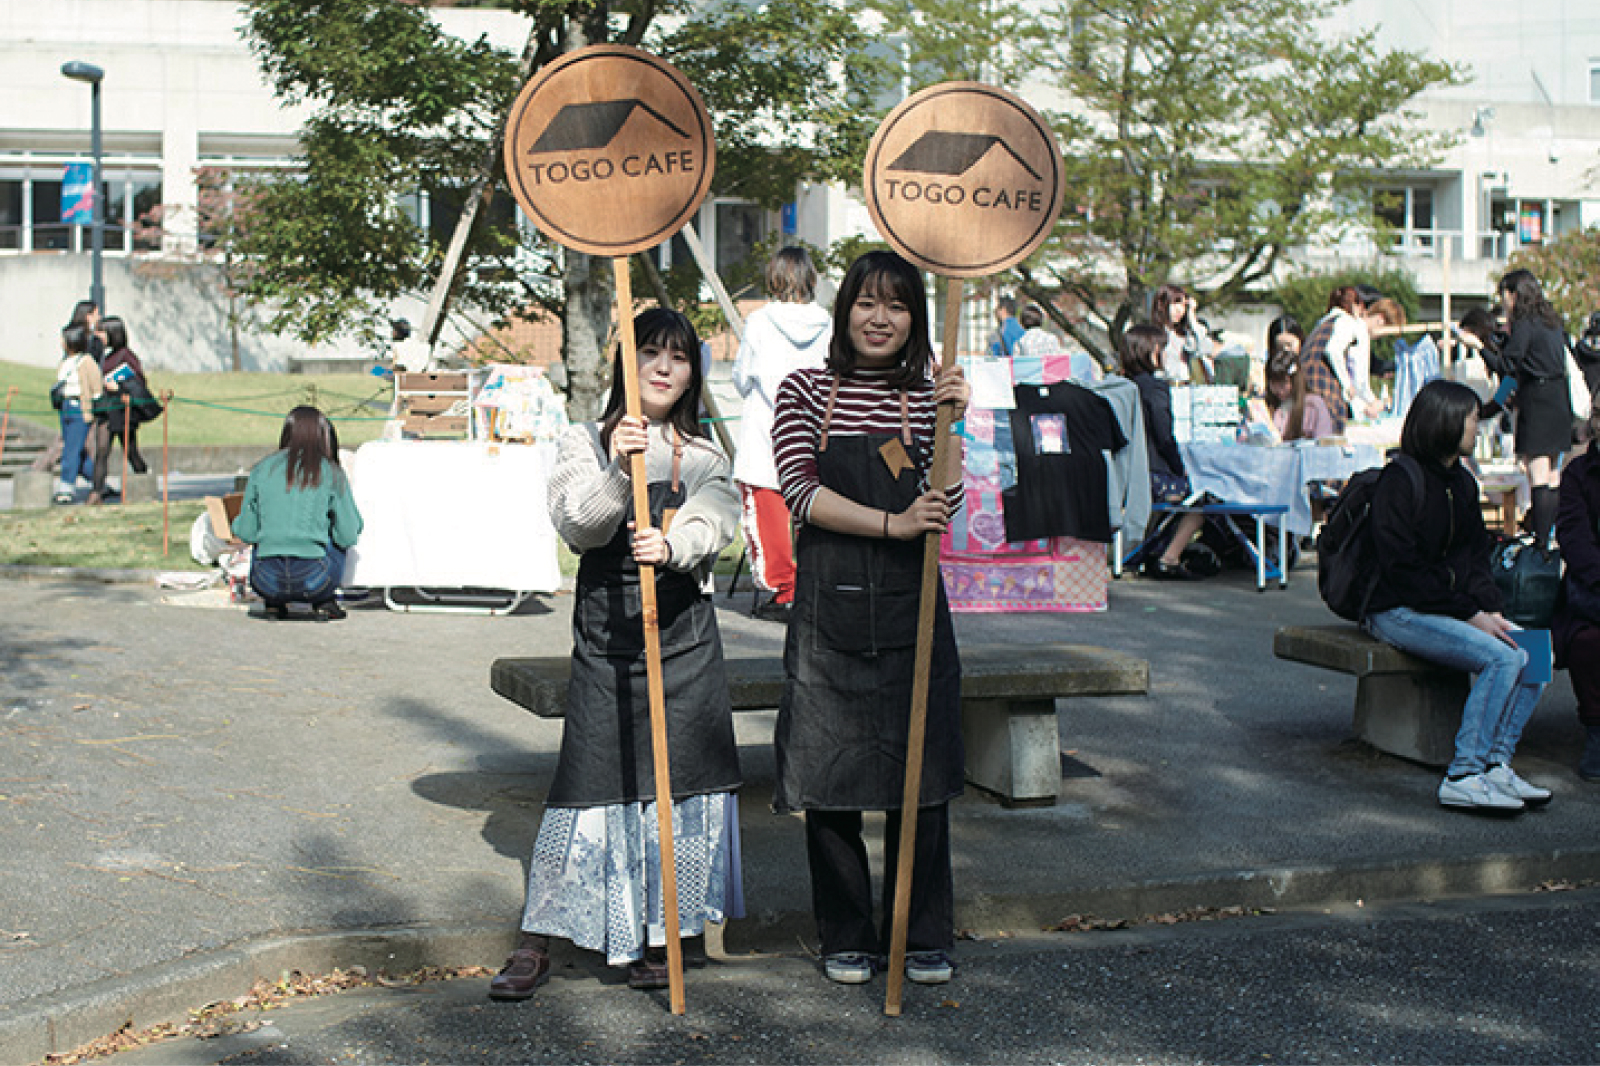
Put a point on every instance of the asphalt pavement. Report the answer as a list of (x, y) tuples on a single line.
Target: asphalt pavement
[(192, 797)]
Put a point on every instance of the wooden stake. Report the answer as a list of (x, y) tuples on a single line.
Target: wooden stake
[(127, 424), (921, 674), (652, 643), (5, 422), (166, 475)]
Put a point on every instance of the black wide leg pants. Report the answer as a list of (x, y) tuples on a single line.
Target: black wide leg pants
[(841, 882)]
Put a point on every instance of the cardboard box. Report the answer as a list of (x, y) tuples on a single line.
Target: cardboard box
[(223, 510)]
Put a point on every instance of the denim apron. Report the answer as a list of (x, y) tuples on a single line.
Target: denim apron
[(849, 657), (606, 753)]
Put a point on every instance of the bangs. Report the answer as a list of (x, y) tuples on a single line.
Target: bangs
[(670, 331), (887, 284)]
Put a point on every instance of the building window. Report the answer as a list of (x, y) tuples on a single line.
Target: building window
[(10, 215), (1408, 215), (1594, 81), (740, 227)]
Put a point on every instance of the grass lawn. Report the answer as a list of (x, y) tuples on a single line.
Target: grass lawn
[(114, 537), (225, 408)]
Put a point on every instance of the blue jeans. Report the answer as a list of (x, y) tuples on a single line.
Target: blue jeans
[(1500, 702), (281, 579), (74, 434)]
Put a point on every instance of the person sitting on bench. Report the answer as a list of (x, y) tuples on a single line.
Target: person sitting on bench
[(1437, 599), (1142, 348)]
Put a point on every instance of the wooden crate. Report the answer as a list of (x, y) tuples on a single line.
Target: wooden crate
[(424, 402)]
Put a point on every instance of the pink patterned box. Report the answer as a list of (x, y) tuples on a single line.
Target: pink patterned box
[(1072, 576)]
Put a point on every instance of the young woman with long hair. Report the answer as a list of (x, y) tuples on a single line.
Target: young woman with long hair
[(1535, 355), (596, 863), (299, 513)]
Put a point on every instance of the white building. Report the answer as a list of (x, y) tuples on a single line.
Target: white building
[(182, 92)]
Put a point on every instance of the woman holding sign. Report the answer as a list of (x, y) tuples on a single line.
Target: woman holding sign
[(853, 443), (595, 873)]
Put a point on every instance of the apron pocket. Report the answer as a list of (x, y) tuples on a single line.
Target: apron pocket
[(866, 620)]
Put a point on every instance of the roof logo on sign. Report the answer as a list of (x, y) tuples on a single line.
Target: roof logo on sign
[(585, 127), (952, 154)]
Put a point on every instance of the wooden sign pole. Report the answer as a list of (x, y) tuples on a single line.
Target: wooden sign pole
[(922, 671), (963, 180), (652, 644)]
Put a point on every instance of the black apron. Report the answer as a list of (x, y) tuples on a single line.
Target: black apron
[(606, 754), (850, 654)]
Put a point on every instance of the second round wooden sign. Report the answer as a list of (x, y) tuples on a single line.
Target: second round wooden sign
[(609, 150), (964, 179)]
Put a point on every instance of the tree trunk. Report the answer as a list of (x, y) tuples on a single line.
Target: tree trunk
[(586, 279), (586, 325)]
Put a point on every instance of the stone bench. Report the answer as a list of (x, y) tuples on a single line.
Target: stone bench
[(1008, 703), (1405, 706)]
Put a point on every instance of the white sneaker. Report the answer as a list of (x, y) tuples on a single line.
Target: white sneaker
[(1506, 780), (849, 967), (1476, 793)]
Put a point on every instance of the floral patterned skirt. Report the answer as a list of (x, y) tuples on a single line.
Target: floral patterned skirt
[(595, 877)]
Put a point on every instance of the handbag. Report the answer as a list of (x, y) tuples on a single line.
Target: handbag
[(1530, 581), (58, 395), (1167, 487)]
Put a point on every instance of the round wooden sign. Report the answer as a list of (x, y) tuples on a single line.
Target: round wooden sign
[(609, 150), (964, 179)]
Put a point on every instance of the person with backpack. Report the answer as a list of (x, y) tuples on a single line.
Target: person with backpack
[(1435, 597)]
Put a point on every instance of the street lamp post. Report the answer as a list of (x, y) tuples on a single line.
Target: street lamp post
[(78, 70)]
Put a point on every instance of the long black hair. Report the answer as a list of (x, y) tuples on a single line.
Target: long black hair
[(116, 333), (309, 438), (887, 276), (1436, 420), (663, 328), (1530, 299)]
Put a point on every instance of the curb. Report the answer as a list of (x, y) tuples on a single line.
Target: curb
[(60, 1022)]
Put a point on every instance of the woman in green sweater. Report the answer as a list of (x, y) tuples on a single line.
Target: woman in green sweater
[(300, 515)]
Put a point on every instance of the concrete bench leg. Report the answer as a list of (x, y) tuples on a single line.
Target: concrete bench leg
[(1013, 749), (1414, 716)]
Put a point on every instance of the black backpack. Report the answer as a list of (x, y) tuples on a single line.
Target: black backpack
[(1347, 568)]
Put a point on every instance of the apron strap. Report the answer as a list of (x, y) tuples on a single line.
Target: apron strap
[(827, 415)]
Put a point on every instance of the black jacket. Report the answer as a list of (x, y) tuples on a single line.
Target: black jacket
[(1156, 397), (1433, 554)]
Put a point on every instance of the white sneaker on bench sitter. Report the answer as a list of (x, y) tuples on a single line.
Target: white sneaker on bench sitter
[(1506, 780), (1475, 792)]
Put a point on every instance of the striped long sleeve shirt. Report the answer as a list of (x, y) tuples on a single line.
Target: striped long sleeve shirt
[(866, 404)]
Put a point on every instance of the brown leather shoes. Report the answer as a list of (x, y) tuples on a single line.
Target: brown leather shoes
[(524, 971)]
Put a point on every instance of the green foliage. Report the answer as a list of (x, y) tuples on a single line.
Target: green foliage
[(786, 104), (1569, 270), (1305, 296), (1211, 137), (961, 40), (1305, 299), (396, 107)]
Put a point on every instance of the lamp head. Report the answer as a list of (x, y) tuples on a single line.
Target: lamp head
[(78, 70)]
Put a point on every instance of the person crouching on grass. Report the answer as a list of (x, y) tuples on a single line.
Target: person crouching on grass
[(854, 443), (595, 874)]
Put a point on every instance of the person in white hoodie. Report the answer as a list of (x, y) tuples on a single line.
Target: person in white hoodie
[(790, 333)]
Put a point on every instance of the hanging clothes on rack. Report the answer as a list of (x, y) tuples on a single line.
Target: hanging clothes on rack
[(1064, 436)]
